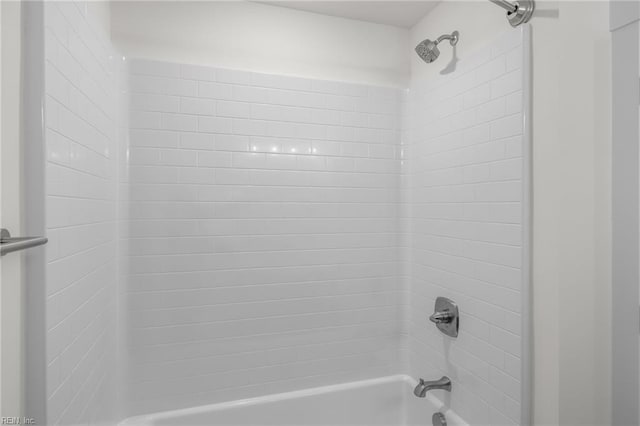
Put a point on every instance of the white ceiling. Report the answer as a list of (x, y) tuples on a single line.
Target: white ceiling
[(398, 13)]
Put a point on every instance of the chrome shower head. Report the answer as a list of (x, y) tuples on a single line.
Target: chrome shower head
[(428, 49)]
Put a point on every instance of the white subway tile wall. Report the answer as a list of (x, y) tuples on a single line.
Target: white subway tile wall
[(81, 149), (463, 202), (264, 250)]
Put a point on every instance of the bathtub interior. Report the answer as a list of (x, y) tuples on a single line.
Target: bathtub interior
[(382, 401)]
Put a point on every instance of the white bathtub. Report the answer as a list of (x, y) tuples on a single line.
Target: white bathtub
[(384, 401)]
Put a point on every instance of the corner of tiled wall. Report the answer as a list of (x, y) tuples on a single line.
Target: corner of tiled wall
[(81, 217)]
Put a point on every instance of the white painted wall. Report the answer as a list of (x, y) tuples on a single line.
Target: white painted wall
[(262, 38), (1, 191), (571, 194), (625, 34), (584, 149), (11, 288)]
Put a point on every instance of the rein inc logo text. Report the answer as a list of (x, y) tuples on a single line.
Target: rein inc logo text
[(17, 421)]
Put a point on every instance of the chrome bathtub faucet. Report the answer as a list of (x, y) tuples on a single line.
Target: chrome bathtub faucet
[(444, 383)]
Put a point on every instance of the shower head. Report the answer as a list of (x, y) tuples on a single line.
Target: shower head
[(428, 49)]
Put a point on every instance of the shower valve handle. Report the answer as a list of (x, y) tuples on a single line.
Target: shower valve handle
[(441, 318)]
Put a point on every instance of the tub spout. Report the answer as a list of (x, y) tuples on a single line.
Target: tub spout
[(423, 387)]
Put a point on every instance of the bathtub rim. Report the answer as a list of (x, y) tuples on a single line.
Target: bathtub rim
[(149, 419)]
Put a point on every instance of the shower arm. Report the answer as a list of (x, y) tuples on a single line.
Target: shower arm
[(518, 12), (453, 38)]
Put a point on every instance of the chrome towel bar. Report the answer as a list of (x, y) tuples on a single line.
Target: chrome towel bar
[(9, 244)]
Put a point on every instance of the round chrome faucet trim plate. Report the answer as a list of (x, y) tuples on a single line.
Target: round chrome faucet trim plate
[(438, 419)]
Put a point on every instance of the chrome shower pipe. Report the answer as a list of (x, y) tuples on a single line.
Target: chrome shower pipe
[(505, 5), (518, 12)]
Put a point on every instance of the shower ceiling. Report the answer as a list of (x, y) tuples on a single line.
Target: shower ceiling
[(398, 13)]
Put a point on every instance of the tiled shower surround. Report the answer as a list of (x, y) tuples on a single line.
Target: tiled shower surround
[(464, 174), (264, 251), (81, 143), (281, 233)]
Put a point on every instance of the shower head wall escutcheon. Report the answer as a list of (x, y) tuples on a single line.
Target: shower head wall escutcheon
[(428, 49)]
